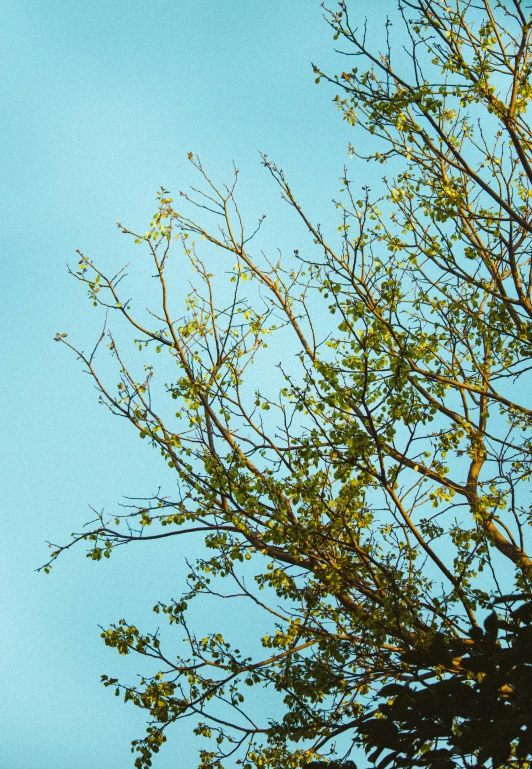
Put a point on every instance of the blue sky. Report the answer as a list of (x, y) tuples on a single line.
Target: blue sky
[(101, 102)]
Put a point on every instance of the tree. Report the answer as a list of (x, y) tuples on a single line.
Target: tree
[(379, 485)]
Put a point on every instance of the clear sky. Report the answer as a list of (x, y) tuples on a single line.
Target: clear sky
[(101, 102)]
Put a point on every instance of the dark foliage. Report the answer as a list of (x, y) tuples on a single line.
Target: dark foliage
[(484, 710)]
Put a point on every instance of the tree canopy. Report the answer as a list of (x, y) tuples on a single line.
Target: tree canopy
[(377, 479)]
